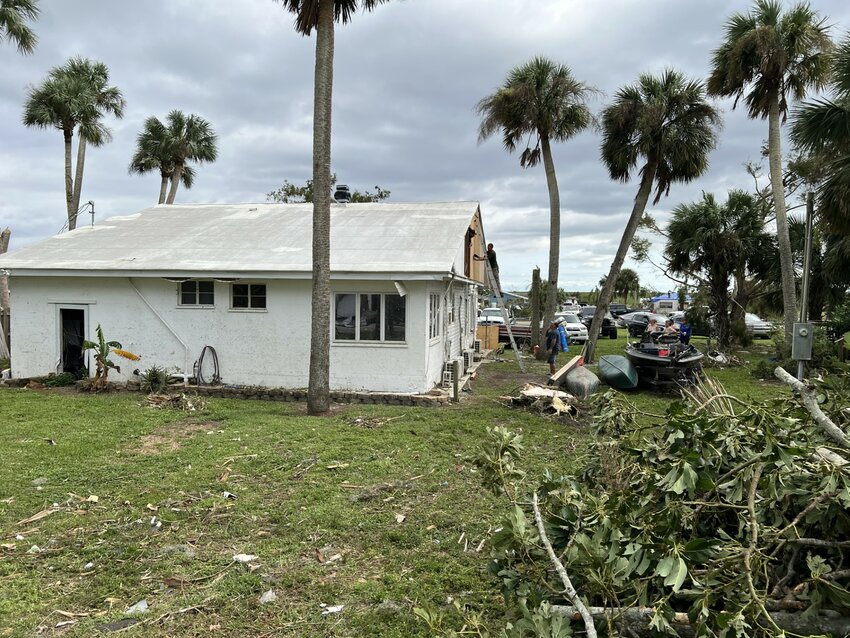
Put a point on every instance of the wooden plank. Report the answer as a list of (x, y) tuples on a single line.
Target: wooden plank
[(560, 375)]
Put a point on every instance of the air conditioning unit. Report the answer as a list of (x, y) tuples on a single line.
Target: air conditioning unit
[(468, 359), (476, 346), (448, 379), (448, 366)]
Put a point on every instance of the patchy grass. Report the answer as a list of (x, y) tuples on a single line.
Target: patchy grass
[(377, 508)]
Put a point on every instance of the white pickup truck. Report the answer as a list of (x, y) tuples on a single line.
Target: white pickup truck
[(493, 317)]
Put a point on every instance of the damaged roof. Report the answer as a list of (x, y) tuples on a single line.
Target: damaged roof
[(421, 238)]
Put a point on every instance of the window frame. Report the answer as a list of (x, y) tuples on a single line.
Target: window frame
[(197, 294), (250, 308), (382, 315), (434, 316)]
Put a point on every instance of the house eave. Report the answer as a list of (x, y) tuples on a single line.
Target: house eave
[(201, 274)]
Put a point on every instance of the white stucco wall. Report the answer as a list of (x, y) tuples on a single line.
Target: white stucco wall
[(268, 348)]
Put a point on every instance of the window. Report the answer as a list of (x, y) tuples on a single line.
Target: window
[(369, 317), (197, 293), (434, 315), (248, 296)]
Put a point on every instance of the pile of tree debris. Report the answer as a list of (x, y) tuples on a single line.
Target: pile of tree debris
[(545, 400), (731, 518)]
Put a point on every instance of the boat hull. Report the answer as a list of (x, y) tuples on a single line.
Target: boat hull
[(618, 372), (665, 365)]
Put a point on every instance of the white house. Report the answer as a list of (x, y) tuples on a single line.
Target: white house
[(170, 280)]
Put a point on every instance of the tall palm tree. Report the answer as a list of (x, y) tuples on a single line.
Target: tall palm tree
[(13, 23), (666, 123), (767, 57), (539, 103), (822, 129), (152, 154), (321, 15), (187, 139), (74, 97), (104, 100)]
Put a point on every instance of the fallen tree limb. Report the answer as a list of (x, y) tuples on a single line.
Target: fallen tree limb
[(811, 402), (636, 620), (569, 590)]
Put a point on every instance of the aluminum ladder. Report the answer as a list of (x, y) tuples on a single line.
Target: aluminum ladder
[(498, 292)]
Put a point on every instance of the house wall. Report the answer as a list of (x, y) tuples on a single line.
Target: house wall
[(457, 328), (268, 348)]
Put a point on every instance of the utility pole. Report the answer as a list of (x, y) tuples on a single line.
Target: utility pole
[(807, 267)]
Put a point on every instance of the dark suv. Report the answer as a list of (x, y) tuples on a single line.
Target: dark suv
[(609, 326), (618, 309)]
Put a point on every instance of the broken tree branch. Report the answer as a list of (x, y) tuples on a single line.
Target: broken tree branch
[(569, 590), (810, 401), (636, 620)]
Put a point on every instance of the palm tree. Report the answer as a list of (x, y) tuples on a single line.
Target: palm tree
[(152, 154), (75, 97), (666, 123), (766, 58), (715, 241), (187, 139), (13, 26), (822, 129), (540, 102), (320, 15)]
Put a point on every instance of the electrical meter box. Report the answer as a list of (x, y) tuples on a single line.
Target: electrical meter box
[(801, 342)]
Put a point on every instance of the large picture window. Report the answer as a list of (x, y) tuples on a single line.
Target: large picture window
[(248, 296), (434, 316), (369, 317), (197, 293)]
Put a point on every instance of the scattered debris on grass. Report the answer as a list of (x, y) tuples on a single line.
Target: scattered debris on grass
[(542, 399), (244, 558), (332, 609), (170, 437), (268, 597), (182, 401), (374, 421)]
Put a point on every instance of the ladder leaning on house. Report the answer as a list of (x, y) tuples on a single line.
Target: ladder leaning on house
[(497, 291)]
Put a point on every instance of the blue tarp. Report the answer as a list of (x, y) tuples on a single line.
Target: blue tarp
[(673, 296)]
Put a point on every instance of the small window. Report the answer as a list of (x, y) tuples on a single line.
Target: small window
[(434, 316), (197, 293), (248, 296), (369, 317)]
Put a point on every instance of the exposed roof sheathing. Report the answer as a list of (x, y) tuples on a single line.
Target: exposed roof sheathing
[(217, 238)]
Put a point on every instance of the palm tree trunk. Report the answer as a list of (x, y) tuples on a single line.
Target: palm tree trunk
[(789, 294), (78, 178), (175, 182), (163, 186), (318, 389), (641, 199), (554, 231), (69, 183)]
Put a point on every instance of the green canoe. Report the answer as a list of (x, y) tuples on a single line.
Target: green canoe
[(618, 372)]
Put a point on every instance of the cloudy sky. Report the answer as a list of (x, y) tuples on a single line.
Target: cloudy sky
[(407, 78)]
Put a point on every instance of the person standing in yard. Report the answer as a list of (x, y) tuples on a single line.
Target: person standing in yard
[(685, 331), (553, 345), (494, 266), (562, 333)]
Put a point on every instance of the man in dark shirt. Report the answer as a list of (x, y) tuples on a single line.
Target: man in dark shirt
[(685, 331), (494, 266), (553, 346)]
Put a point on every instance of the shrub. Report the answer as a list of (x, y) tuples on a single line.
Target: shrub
[(59, 380), (154, 380)]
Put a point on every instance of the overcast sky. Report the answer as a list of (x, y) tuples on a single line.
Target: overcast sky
[(407, 78)]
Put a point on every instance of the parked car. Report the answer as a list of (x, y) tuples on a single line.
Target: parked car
[(573, 308), (636, 322), (609, 324), (576, 330), (493, 317), (757, 327)]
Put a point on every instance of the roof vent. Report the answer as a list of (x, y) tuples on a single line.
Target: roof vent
[(342, 195)]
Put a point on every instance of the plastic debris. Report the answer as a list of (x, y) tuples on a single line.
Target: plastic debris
[(332, 609), (140, 607), (245, 558), (268, 597), (35, 549)]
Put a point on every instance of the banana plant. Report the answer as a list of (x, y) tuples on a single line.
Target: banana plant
[(102, 349)]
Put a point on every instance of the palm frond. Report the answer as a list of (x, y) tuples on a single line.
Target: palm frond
[(14, 15)]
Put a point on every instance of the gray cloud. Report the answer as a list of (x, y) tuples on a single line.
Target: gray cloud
[(407, 78)]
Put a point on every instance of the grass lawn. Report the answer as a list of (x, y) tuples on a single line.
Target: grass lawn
[(379, 514)]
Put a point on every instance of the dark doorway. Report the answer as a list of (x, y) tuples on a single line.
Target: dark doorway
[(73, 326)]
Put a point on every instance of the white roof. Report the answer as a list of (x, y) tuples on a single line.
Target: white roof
[(272, 239)]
